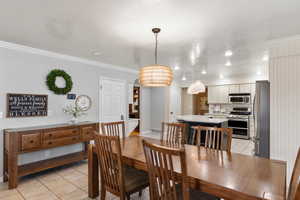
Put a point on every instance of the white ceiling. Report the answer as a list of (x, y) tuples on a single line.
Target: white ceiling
[(195, 33)]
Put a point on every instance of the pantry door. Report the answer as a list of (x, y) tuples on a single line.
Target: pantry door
[(112, 100)]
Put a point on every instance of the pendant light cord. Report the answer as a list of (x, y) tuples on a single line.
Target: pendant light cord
[(155, 48)]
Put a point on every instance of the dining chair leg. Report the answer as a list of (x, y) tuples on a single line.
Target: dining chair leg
[(128, 197), (103, 192)]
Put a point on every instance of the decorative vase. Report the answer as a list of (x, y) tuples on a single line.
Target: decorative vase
[(74, 120)]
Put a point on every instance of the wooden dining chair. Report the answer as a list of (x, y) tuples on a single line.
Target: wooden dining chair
[(165, 183), (294, 189), (113, 128), (173, 133), (115, 178), (213, 137)]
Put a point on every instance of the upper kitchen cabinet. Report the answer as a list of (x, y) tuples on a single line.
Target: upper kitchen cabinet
[(218, 94), (245, 88), (234, 89)]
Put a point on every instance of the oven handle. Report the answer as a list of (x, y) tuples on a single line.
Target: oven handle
[(241, 120)]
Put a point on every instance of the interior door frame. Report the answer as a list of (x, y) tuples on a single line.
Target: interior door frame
[(101, 93)]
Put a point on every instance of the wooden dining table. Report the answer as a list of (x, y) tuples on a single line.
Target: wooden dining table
[(227, 175)]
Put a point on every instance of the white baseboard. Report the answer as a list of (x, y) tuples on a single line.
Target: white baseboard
[(156, 130), (146, 132)]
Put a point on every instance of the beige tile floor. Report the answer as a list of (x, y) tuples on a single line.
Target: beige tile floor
[(64, 183), (71, 182)]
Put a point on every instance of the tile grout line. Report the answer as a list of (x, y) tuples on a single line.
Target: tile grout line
[(73, 183), (21, 194), (48, 189)]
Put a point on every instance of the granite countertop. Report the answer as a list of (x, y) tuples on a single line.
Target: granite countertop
[(201, 118)]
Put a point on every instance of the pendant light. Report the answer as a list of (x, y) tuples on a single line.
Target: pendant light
[(155, 75), (196, 87)]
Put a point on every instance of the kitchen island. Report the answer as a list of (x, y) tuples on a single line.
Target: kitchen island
[(200, 120)]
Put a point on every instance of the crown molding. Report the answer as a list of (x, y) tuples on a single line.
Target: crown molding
[(277, 41), (27, 49)]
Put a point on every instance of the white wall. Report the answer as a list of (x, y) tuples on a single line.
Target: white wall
[(24, 70), (285, 100), (187, 102), (145, 110), (157, 108), (174, 102)]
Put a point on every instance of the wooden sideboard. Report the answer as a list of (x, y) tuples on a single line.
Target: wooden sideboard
[(30, 139)]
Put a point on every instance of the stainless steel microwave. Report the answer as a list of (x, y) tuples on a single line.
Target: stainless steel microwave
[(240, 98)]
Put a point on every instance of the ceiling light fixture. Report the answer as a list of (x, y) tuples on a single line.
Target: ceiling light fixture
[(203, 71), (183, 78), (96, 53), (156, 75), (221, 76), (258, 73), (228, 53), (196, 87), (228, 63), (176, 67), (265, 58)]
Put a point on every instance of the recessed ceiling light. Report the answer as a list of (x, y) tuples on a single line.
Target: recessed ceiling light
[(221, 76), (96, 53), (203, 71), (265, 58), (176, 67), (228, 64), (183, 78), (258, 73), (228, 53)]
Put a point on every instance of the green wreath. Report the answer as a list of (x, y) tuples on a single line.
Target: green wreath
[(51, 77)]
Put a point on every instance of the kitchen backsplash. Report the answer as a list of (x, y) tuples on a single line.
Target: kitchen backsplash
[(224, 108)]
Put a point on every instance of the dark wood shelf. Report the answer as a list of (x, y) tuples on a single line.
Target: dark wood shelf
[(50, 163)]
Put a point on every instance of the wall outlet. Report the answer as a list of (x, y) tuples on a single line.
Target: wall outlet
[(50, 113), (1, 115)]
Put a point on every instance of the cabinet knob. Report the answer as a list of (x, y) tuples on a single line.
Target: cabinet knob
[(49, 142), (31, 141), (50, 135)]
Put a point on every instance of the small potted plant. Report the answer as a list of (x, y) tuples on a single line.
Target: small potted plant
[(74, 111)]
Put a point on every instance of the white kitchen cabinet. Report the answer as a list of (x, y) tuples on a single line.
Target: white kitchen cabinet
[(245, 88), (218, 94), (223, 93), (234, 89), (211, 97)]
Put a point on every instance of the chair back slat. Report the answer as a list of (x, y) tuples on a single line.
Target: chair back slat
[(215, 138), (294, 188), (109, 155), (162, 177), (113, 128), (173, 133)]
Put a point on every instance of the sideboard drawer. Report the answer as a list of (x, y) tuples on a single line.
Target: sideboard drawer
[(88, 132), (61, 133), (61, 141), (30, 141)]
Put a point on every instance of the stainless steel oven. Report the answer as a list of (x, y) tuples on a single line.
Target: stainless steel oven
[(240, 126), (239, 121), (240, 98)]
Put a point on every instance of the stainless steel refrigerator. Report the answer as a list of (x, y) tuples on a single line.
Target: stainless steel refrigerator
[(261, 115)]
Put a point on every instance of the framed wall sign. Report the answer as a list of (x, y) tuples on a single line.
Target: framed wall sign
[(26, 105)]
